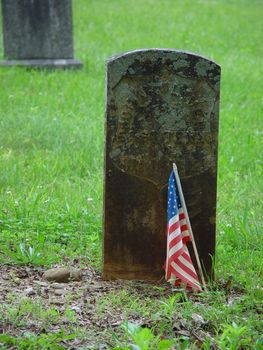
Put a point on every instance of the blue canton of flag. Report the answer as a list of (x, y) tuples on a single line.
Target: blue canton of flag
[(174, 202)]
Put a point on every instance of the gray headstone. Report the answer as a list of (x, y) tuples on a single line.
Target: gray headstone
[(162, 107), (38, 32)]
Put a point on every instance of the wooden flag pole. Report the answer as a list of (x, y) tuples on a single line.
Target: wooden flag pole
[(189, 224)]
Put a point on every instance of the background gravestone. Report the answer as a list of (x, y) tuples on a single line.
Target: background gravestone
[(162, 106), (38, 33)]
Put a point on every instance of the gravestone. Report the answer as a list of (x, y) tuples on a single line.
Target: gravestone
[(162, 107), (38, 33)]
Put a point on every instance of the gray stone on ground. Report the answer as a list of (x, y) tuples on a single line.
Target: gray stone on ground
[(62, 275), (29, 292), (58, 286), (40, 284), (59, 292), (57, 301)]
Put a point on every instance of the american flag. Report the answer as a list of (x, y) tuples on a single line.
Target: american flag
[(179, 267)]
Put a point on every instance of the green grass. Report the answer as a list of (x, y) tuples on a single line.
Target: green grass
[(52, 137)]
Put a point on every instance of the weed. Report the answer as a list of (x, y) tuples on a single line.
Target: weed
[(232, 337), (51, 341), (144, 339), (24, 253), (169, 306)]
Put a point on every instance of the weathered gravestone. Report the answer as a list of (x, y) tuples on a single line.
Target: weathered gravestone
[(162, 106), (38, 33)]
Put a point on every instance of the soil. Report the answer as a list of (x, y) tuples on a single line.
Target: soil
[(83, 297)]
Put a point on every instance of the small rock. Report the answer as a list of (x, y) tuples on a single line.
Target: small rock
[(76, 309), (57, 275), (57, 301), (62, 274), (184, 332), (40, 283), (29, 291), (58, 286), (59, 292), (198, 319), (6, 278)]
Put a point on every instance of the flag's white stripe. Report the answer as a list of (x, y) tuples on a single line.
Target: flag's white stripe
[(186, 251), (186, 263), (183, 222), (185, 274), (185, 233), (175, 248), (173, 220), (174, 234)]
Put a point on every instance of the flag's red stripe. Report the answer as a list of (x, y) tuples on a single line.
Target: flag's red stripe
[(173, 227), (175, 255), (181, 216), (186, 239), (187, 257), (184, 279), (184, 228), (186, 269), (176, 240)]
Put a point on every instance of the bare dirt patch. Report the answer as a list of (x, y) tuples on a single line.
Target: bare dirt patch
[(39, 306)]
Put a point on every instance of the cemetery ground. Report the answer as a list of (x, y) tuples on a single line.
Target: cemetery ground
[(51, 185)]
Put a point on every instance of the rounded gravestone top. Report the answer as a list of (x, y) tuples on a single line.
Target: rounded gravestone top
[(161, 109)]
